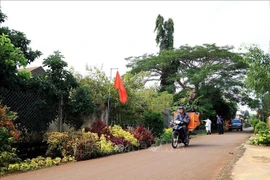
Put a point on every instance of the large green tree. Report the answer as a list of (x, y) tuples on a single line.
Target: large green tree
[(19, 40), (11, 58), (258, 76), (165, 39), (200, 68)]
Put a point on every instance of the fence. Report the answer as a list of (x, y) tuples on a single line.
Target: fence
[(35, 112)]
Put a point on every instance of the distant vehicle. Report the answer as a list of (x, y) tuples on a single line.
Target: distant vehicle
[(236, 124)]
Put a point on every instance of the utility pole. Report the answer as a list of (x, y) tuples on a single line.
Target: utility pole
[(108, 108)]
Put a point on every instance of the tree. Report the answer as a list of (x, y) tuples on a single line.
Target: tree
[(258, 76), (164, 39), (80, 104), (165, 30), (59, 81), (19, 40), (11, 57), (204, 71), (3, 17), (154, 121), (99, 83), (198, 66)]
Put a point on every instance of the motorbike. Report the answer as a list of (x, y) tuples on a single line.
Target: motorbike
[(178, 134)]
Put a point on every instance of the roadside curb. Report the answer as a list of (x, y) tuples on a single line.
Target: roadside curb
[(226, 172)]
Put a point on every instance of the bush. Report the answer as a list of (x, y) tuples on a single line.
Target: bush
[(117, 131), (5, 139), (82, 145), (7, 134), (144, 136), (35, 163), (8, 157), (106, 146), (100, 128), (154, 121), (254, 120), (55, 141), (260, 126), (166, 137), (262, 138), (121, 142)]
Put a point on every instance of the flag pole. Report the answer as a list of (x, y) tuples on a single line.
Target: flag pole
[(108, 108)]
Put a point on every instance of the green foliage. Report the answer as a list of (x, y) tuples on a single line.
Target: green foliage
[(11, 58), (258, 75), (106, 146), (166, 136), (164, 39), (117, 131), (87, 145), (5, 139), (266, 105), (8, 132), (154, 100), (154, 121), (81, 145), (3, 17), (61, 81), (96, 81), (21, 42), (260, 126), (165, 30), (35, 163), (206, 69), (8, 157), (254, 121), (80, 104), (24, 75), (262, 137)]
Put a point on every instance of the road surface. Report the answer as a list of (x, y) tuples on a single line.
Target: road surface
[(204, 159)]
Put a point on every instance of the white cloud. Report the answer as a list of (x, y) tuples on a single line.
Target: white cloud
[(107, 32)]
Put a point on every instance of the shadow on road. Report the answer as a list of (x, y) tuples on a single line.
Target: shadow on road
[(245, 131), (202, 145)]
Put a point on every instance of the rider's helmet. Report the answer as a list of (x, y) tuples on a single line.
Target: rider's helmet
[(182, 107)]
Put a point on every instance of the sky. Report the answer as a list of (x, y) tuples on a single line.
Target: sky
[(104, 33)]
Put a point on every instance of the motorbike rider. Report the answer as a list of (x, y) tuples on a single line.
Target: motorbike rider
[(182, 116)]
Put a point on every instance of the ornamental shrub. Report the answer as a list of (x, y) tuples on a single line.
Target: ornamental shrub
[(144, 136), (117, 131), (106, 146), (100, 128), (82, 145), (166, 137), (35, 163), (262, 138), (260, 126), (254, 120)]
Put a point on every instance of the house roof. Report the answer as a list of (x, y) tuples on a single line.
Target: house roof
[(34, 70)]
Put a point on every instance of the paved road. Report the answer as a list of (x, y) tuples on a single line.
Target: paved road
[(204, 159)]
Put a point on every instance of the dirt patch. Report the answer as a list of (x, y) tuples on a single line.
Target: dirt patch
[(262, 159), (226, 172)]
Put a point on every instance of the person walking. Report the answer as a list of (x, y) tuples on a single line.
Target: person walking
[(208, 123)]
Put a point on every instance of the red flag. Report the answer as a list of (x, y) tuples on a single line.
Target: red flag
[(118, 84)]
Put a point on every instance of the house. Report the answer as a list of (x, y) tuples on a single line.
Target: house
[(34, 70)]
